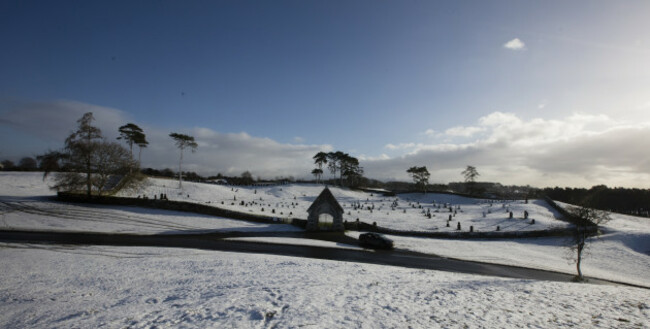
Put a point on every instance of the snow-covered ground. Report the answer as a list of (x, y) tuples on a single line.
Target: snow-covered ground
[(403, 212), (621, 253), (116, 287), (23, 206)]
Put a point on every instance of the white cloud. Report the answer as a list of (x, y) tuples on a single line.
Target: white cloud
[(579, 150), (382, 156), (645, 106), (496, 119), (462, 131), (515, 44), (430, 132), (400, 146), (298, 140)]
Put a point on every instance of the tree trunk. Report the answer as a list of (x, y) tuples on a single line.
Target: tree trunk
[(131, 164), (88, 185), (581, 246), (180, 172)]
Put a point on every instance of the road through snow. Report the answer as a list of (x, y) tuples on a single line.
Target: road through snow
[(215, 241)]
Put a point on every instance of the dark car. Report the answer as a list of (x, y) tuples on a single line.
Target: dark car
[(375, 241)]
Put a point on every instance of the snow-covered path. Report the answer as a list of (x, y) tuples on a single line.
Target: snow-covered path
[(317, 249)]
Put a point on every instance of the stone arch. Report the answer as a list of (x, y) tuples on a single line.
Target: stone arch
[(325, 203)]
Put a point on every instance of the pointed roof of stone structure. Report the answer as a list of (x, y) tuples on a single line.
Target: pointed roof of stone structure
[(326, 197)]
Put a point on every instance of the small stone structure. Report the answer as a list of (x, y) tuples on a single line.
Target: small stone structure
[(325, 203)]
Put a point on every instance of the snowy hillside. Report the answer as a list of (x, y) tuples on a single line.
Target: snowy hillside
[(621, 253), (24, 205), (403, 212)]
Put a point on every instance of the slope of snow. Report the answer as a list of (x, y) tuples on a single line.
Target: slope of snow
[(409, 213), (114, 287), (621, 253), (25, 184), (23, 206)]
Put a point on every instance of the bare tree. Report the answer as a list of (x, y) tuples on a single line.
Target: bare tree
[(182, 142), (87, 160), (107, 160), (586, 222), (110, 159)]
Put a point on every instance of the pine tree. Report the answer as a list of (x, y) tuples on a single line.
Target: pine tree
[(132, 134), (182, 142)]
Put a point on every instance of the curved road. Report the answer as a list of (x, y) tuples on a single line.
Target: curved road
[(215, 241)]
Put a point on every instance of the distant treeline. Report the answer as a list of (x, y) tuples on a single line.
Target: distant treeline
[(622, 200)]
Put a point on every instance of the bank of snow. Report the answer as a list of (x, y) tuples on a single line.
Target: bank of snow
[(116, 287)]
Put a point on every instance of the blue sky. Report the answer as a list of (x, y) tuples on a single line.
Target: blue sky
[(512, 87)]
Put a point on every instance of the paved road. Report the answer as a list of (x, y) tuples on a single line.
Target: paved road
[(215, 241)]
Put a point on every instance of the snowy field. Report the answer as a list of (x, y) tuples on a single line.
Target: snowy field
[(115, 287), (622, 253), (403, 212), (23, 205)]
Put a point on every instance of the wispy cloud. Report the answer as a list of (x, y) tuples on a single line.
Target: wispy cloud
[(515, 44)]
